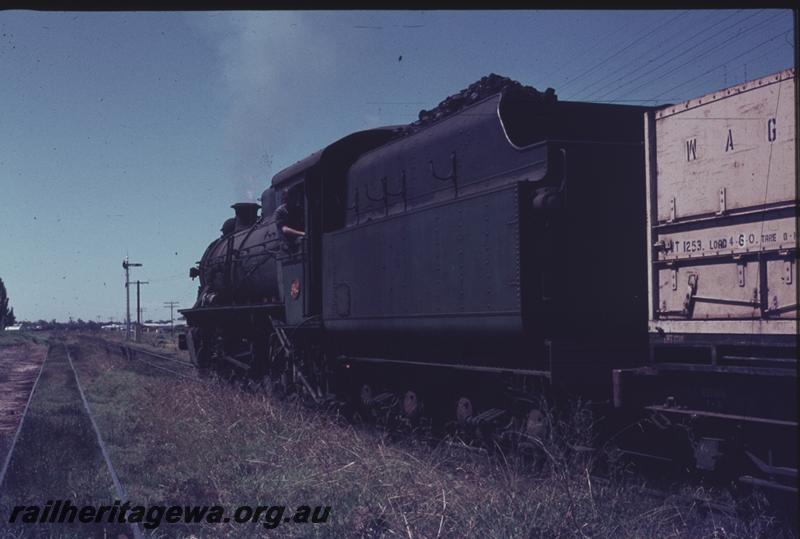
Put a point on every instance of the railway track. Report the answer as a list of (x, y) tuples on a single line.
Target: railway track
[(120, 490), (164, 362), (135, 353), (22, 462)]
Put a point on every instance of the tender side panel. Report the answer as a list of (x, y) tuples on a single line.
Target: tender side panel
[(723, 212), (468, 152), (451, 266)]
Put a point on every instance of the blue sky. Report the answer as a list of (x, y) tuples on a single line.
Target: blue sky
[(133, 133)]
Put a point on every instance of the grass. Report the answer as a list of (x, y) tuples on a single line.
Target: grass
[(177, 442)]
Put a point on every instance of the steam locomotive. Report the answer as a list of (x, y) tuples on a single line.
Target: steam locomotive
[(458, 268)]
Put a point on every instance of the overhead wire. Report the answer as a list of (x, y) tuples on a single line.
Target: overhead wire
[(773, 38), (704, 86), (660, 55), (560, 67), (646, 33), (682, 65)]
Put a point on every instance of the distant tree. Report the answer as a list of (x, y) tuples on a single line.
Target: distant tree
[(10, 319), (4, 318)]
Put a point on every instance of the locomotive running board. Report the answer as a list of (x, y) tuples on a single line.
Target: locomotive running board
[(204, 313), (477, 368)]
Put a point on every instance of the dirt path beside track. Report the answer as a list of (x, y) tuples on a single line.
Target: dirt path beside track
[(20, 362)]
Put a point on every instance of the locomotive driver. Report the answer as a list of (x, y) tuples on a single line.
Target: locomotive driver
[(282, 215)]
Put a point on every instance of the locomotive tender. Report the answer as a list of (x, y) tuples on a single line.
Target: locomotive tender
[(468, 261)]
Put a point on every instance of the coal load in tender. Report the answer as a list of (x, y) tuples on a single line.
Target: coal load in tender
[(486, 86)]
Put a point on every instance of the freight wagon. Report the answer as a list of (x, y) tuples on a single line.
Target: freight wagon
[(722, 279)]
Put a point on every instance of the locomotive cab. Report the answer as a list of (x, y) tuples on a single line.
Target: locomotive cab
[(315, 200), (292, 258)]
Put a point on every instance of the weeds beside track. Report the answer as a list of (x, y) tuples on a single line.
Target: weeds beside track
[(177, 441)]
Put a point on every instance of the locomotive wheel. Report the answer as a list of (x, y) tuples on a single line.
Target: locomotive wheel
[(199, 351), (464, 410)]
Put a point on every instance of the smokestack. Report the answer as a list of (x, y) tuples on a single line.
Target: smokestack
[(246, 214)]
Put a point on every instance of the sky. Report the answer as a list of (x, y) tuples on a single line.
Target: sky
[(131, 134)]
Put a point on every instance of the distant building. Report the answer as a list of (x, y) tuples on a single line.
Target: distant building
[(114, 327), (161, 327)]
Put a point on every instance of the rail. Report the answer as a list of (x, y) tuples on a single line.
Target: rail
[(131, 352), (121, 494), (13, 445)]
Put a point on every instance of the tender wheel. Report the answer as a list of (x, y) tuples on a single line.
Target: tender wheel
[(464, 410), (412, 405), (535, 426)]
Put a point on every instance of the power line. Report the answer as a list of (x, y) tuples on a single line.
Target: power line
[(727, 61), (679, 54), (171, 305), (558, 68), (690, 60), (660, 55), (771, 53), (645, 34)]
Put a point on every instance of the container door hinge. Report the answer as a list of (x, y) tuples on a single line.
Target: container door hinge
[(740, 267), (787, 271), (722, 204), (671, 210)]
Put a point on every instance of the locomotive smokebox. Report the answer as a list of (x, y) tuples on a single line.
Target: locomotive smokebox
[(246, 214)]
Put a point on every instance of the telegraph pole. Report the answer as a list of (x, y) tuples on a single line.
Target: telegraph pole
[(171, 305), (127, 265), (139, 310)]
